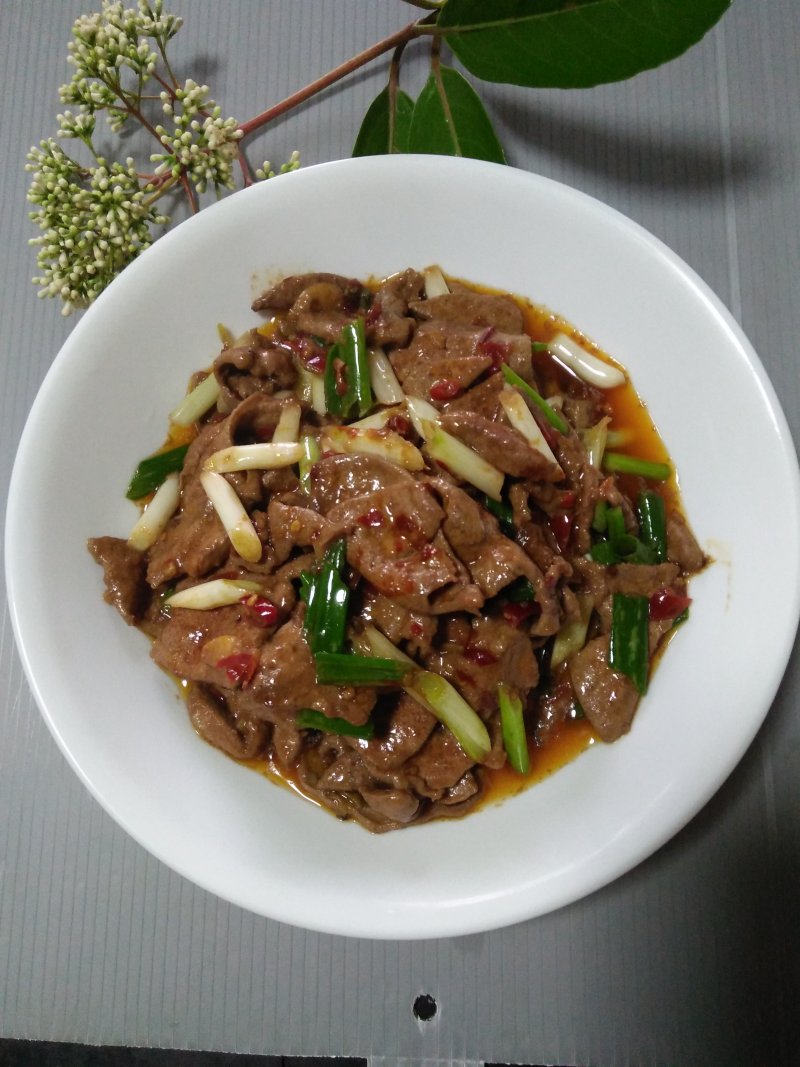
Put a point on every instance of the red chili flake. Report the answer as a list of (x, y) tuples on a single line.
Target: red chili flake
[(549, 433), (444, 389), (240, 667), (340, 373), (405, 524), (497, 351), (328, 453), (266, 613), (373, 518), (569, 498), (373, 314), (667, 604), (516, 614), (417, 629), (317, 362), (399, 424), (560, 525), (482, 656), (428, 552)]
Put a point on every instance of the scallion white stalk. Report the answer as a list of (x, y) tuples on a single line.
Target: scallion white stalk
[(382, 443), (462, 460), (197, 402), (267, 456), (385, 387), (378, 419), (435, 282), (232, 515), (521, 418), (156, 515), (587, 366), (420, 411), (217, 593), (288, 429)]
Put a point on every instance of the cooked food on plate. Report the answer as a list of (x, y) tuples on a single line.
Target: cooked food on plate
[(410, 544)]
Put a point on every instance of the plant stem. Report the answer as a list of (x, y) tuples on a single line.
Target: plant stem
[(394, 40)]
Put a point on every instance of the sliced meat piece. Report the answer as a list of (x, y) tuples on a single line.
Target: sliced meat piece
[(194, 542), (439, 764), (435, 355), (282, 296), (638, 579), (609, 699), (682, 546), (585, 479), (335, 479), (501, 445), (483, 399), (399, 806), (285, 682), (253, 365), (493, 560), (241, 739), (293, 527), (398, 622), (397, 552), (409, 727), (467, 308), (199, 645), (124, 572), (494, 652), (388, 321)]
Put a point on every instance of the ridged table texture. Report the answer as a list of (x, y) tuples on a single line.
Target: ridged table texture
[(693, 958)]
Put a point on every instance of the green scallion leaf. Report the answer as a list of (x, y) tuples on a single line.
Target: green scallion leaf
[(327, 596), (503, 512), (512, 723), (619, 463), (629, 647), (152, 471), (311, 719), (553, 417), (343, 668), (348, 392), (652, 514)]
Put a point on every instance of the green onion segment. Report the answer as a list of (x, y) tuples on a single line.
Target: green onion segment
[(349, 668), (512, 722), (549, 412), (152, 471), (619, 463), (311, 453), (652, 514), (347, 369), (619, 546), (311, 719), (327, 595), (629, 649)]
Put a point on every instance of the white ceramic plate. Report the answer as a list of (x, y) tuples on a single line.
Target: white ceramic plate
[(120, 721)]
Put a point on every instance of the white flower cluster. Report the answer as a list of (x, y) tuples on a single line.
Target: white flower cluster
[(265, 170), (93, 222), (94, 219), (203, 146)]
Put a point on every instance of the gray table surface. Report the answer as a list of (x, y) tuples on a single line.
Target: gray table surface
[(691, 959)]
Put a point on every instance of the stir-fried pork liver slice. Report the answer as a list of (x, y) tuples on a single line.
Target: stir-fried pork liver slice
[(609, 699), (124, 571), (285, 682), (500, 445), (242, 739)]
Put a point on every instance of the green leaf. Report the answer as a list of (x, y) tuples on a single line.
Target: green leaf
[(450, 120), (381, 132), (572, 44)]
